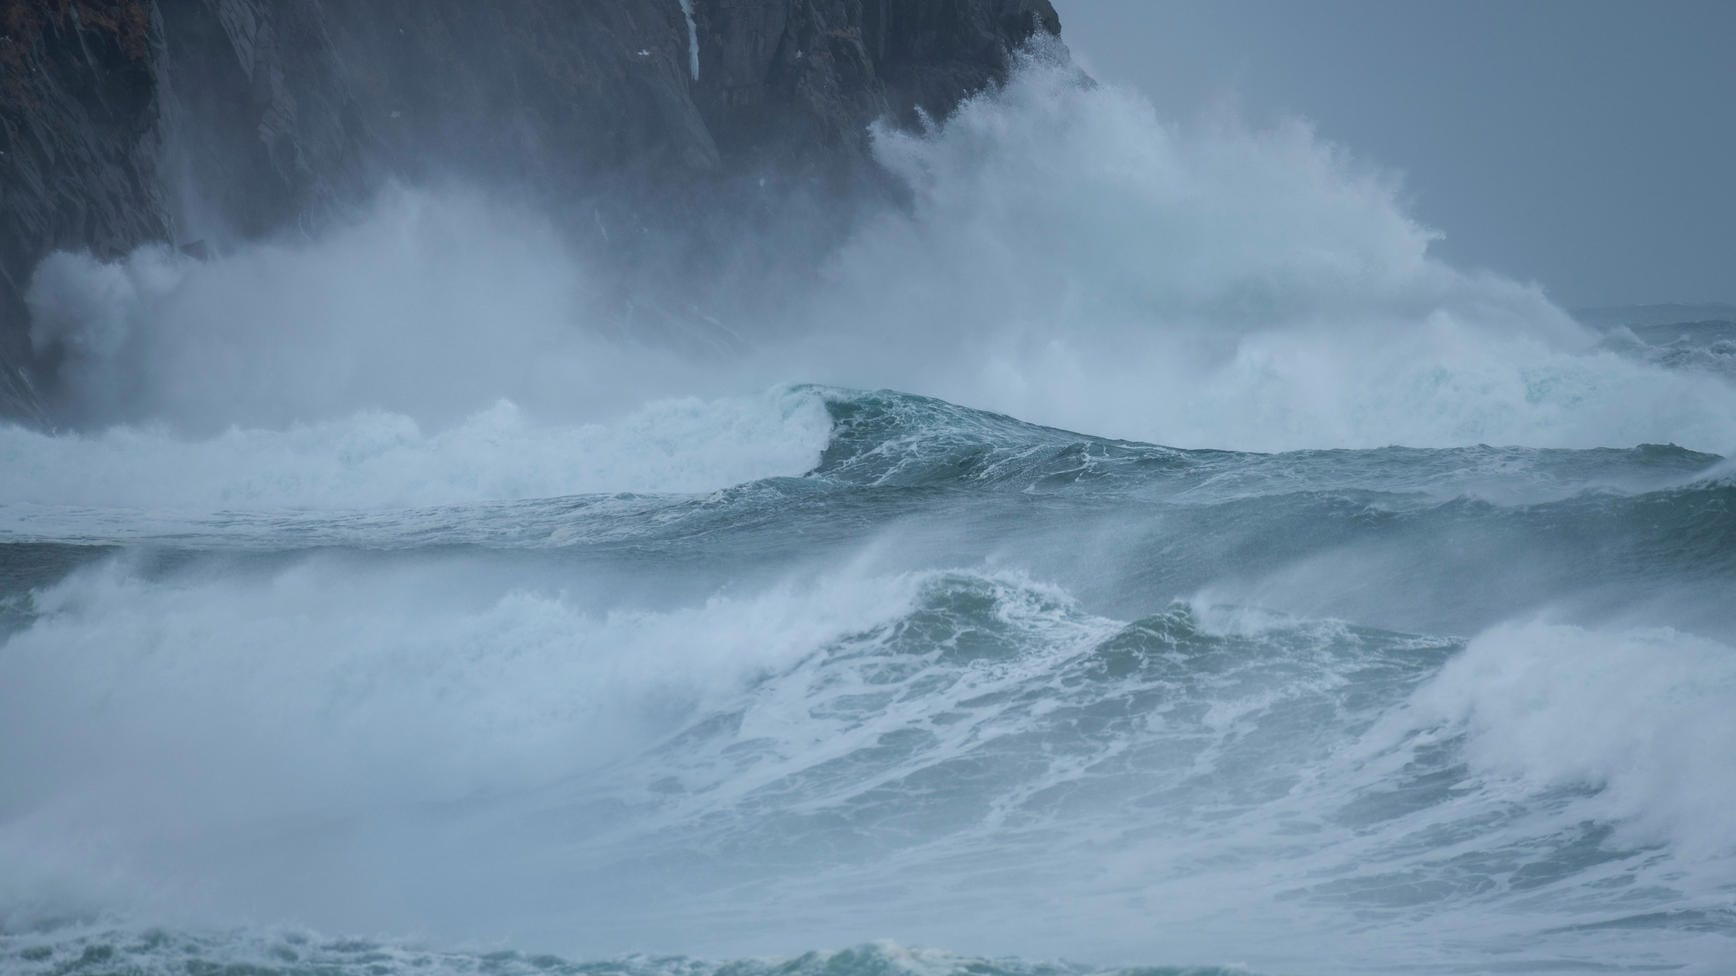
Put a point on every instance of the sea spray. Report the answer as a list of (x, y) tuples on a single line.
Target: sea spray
[(384, 583)]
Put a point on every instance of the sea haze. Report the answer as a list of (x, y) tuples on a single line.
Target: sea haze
[(1130, 544)]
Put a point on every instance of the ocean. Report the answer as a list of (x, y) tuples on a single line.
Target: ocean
[(1134, 553)]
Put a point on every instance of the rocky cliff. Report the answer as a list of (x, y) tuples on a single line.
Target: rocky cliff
[(205, 122)]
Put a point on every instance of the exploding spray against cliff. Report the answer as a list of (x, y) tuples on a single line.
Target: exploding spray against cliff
[(383, 589)]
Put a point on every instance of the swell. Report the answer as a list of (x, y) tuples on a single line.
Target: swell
[(1478, 533), (498, 635), (890, 438), (903, 749)]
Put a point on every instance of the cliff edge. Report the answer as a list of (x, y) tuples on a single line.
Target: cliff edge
[(203, 123)]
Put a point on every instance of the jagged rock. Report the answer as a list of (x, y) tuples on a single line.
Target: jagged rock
[(79, 144), (128, 121)]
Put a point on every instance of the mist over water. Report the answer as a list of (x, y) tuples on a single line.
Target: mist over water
[(384, 584), (1208, 285)]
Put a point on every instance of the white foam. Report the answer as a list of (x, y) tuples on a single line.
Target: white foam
[(429, 304), (384, 460), (1645, 717), (1072, 259), (174, 736), (692, 39), (1069, 258)]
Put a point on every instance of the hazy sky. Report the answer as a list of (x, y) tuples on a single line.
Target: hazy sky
[(1588, 145)]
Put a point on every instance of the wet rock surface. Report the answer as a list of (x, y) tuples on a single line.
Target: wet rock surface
[(201, 123)]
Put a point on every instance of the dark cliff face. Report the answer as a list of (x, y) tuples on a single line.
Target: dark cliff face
[(800, 79), (201, 122), (78, 150)]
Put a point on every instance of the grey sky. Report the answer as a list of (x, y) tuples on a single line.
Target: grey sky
[(1588, 145)]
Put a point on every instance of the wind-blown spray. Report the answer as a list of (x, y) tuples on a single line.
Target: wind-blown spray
[(382, 582)]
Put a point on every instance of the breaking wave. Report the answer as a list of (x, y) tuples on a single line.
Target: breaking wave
[(1069, 258), (384, 582)]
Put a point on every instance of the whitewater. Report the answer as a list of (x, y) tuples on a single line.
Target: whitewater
[(1134, 551)]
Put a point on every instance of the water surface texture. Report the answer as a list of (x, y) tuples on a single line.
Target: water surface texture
[(1135, 552)]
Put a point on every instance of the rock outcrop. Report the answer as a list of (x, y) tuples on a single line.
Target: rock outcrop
[(201, 122)]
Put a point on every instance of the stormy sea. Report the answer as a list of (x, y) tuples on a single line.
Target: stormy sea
[(1132, 552)]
